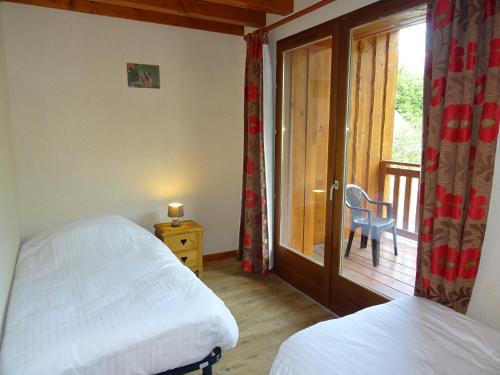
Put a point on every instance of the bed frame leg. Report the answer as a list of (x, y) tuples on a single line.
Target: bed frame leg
[(205, 365)]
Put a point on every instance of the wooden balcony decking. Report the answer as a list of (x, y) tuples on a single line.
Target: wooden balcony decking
[(394, 277)]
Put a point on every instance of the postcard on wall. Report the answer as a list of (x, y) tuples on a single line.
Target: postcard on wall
[(143, 76)]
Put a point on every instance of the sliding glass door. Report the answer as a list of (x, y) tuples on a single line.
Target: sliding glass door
[(303, 149), (346, 181), (379, 165)]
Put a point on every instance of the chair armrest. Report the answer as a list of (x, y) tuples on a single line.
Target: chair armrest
[(386, 204), (363, 210)]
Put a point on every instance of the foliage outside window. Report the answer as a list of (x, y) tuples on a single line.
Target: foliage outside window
[(407, 141)]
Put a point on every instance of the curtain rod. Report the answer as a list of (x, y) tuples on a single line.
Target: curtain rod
[(292, 17)]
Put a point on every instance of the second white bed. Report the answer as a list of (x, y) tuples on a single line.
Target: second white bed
[(408, 336)]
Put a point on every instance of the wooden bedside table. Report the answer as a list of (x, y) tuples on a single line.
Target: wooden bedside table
[(185, 241)]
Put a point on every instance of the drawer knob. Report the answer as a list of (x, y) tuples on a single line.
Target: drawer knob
[(183, 241), (184, 259)]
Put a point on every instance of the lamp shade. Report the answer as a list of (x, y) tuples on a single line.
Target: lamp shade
[(175, 210)]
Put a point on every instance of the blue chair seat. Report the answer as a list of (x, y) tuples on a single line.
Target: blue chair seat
[(380, 222)]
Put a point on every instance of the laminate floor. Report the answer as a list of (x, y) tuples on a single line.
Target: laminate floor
[(267, 311)]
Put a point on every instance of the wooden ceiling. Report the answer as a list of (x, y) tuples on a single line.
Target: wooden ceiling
[(223, 16)]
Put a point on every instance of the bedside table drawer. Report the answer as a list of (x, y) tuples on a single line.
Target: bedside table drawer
[(188, 258), (183, 242)]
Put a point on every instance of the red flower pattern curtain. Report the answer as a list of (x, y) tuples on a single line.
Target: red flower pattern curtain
[(462, 114), (254, 236)]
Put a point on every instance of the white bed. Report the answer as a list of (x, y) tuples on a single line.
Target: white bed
[(104, 296), (407, 336)]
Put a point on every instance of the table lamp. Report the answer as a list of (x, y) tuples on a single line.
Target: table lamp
[(175, 211)]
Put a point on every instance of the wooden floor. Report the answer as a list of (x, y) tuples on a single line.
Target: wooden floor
[(267, 311), (395, 275)]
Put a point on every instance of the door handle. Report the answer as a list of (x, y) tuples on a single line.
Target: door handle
[(335, 186)]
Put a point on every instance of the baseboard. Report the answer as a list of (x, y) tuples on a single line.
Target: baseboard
[(219, 256)]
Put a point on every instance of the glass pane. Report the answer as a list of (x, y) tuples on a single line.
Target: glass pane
[(382, 158), (304, 151)]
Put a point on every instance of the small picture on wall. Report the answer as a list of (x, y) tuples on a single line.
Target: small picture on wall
[(143, 76)]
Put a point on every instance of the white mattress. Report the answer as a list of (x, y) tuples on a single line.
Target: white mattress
[(104, 296), (407, 336)]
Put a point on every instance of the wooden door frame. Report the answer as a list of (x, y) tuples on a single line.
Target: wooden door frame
[(304, 274), (331, 289)]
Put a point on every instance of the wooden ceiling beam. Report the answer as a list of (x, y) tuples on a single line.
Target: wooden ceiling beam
[(197, 9), (281, 7), (92, 7)]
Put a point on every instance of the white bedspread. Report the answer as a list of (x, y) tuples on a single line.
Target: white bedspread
[(407, 336), (104, 296)]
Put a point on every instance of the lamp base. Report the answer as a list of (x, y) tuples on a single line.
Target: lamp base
[(175, 223)]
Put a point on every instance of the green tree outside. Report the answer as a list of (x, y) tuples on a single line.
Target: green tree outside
[(407, 141)]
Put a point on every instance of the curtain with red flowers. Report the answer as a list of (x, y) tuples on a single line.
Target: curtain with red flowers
[(462, 114), (254, 236)]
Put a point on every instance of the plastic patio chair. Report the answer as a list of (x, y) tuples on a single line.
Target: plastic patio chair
[(362, 218)]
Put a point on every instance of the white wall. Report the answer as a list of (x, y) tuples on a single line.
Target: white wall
[(9, 225), (485, 303), (86, 144)]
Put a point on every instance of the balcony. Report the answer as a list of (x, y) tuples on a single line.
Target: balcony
[(398, 183)]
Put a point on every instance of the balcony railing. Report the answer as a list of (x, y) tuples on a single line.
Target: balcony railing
[(399, 184)]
